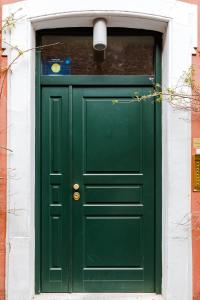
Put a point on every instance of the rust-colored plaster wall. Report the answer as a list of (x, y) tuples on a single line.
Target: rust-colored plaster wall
[(196, 195), (3, 158)]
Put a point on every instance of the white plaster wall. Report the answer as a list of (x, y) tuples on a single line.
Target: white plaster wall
[(178, 22), (177, 278)]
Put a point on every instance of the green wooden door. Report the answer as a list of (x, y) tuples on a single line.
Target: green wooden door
[(104, 242)]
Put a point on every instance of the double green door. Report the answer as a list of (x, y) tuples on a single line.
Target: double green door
[(100, 139)]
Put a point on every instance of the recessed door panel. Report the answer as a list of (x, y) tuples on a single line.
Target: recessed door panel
[(111, 122), (113, 242), (107, 194)]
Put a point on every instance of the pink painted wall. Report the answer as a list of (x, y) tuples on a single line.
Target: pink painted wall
[(196, 195), (3, 167)]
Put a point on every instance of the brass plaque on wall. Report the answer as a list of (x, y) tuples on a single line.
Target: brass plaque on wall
[(196, 172), (196, 143)]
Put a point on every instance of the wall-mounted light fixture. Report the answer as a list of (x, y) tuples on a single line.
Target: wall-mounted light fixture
[(100, 34)]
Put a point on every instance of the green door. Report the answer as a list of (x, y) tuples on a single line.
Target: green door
[(105, 241)]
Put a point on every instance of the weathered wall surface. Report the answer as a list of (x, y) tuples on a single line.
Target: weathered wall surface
[(3, 139), (2, 180), (3, 164), (196, 195)]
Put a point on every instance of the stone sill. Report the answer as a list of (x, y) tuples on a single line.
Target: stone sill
[(99, 296)]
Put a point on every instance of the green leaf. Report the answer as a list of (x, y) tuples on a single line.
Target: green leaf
[(115, 101)]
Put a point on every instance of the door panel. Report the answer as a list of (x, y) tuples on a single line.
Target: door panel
[(97, 194), (113, 154), (119, 251), (106, 127), (104, 141), (55, 190)]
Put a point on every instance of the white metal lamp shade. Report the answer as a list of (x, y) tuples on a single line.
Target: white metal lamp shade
[(100, 35)]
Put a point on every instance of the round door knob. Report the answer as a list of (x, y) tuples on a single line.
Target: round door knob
[(76, 186)]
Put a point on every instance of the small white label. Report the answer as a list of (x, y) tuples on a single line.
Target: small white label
[(197, 151)]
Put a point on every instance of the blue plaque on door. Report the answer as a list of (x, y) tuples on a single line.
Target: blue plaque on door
[(57, 66)]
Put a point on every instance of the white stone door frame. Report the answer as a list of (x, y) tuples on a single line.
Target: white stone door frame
[(178, 23)]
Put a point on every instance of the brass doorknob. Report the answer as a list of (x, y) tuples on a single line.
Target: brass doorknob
[(76, 186), (76, 196)]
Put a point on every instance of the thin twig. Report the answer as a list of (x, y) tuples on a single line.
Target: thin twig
[(20, 53), (5, 148)]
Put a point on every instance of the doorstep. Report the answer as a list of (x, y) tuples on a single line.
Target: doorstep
[(99, 296)]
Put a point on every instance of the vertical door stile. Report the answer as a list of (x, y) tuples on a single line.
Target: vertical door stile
[(69, 179), (55, 189)]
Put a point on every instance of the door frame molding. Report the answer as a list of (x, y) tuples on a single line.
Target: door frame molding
[(178, 21), (103, 80)]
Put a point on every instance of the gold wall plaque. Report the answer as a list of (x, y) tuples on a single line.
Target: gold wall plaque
[(196, 173), (196, 143)]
